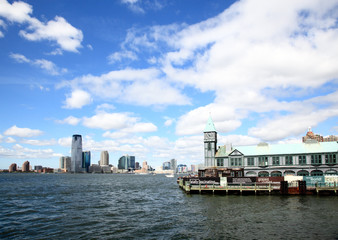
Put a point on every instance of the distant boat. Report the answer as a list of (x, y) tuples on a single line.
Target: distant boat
[(170, 175)]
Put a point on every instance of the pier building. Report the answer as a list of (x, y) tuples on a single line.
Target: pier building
[(309, 158)]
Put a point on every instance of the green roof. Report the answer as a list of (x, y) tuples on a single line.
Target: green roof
[(282, 149), (210, 127)]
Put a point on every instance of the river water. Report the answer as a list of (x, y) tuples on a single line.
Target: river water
[(99, 206)]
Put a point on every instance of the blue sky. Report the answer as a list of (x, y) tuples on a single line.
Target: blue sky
[(141, 77)]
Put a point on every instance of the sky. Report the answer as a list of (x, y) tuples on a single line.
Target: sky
[(142, 77)]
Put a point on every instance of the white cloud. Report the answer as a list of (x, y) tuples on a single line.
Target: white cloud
[(133, 5), (89, 46), (10, 140), (39, 142), (19, 58), (65, 142), (58, 30), (109, 121), (44, 64), (77, 99), (70, 120), (49, 66), (105, 107), (168, 121), (16, 12), (18, 151), (22, 132), (144, 85), (119, 56)]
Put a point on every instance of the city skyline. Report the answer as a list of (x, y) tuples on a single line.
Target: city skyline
[(142, 78)]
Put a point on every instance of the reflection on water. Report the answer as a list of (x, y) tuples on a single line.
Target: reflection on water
[(152, 207)]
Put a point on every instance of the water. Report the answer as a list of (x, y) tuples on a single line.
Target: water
[(95, 206)]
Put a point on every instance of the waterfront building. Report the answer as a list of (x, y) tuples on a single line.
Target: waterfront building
[(309, 158), (12, 167), (311, 136), (210, 144), (62, 162), (67, 163), (173, 164), (37, 168), (25, 166), (137, 165), (76, 159), (86, 160), (182, 168), (126, 162), (104, 159), (166, 165)]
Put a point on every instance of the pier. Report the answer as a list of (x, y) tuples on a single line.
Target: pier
[(283, 188)]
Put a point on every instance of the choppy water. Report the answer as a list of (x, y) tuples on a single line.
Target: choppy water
[(89, 206)]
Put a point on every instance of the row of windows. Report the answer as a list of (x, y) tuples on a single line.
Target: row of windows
[(316, 159)]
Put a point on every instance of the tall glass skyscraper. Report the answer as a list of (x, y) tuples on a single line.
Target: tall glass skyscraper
[(86, 160), (127, 162), (76, 165)]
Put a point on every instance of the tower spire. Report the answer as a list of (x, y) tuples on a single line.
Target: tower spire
[(210, 127)]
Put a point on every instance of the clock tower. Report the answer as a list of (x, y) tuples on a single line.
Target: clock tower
[(210, 144)]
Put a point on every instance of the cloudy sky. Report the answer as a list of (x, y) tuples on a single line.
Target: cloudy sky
[(141, 77)]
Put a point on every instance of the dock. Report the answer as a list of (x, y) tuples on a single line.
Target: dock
[(258, 188)]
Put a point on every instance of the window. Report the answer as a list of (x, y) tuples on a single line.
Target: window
[(302, 160), (316, 159), (330, 158), (209, 146), (250, 161), (275, 160), (263, 161), (220, 162), (235, 161), (288, 160)]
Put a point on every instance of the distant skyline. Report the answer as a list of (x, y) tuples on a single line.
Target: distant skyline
[(142, 77)]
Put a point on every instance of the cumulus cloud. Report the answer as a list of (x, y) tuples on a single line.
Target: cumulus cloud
[(36, 142), (77, 99), (124, 122), (19, 152), (22, 132), (57, 30), (144, 85)]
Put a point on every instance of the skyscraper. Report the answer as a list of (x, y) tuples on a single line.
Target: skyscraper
[(25, 167), (104, 159), (76, 165), (173, 164), (86, 160), (127, 162)]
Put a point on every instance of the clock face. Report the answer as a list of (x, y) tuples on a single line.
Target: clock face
[(209, 136)]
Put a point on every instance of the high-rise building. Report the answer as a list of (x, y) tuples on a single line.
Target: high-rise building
[(86, 160), (137, 165), (62, 162), (12, 167), (173, 164), (127, 162), (166, 165), (104, 159), (76, 161), (25, 167)]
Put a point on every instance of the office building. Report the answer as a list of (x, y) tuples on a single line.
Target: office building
[(166, 165), (126, 162), (76, 160), (173, 164), (12, 168), (104, 158), (86, 160), (25, 167)]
